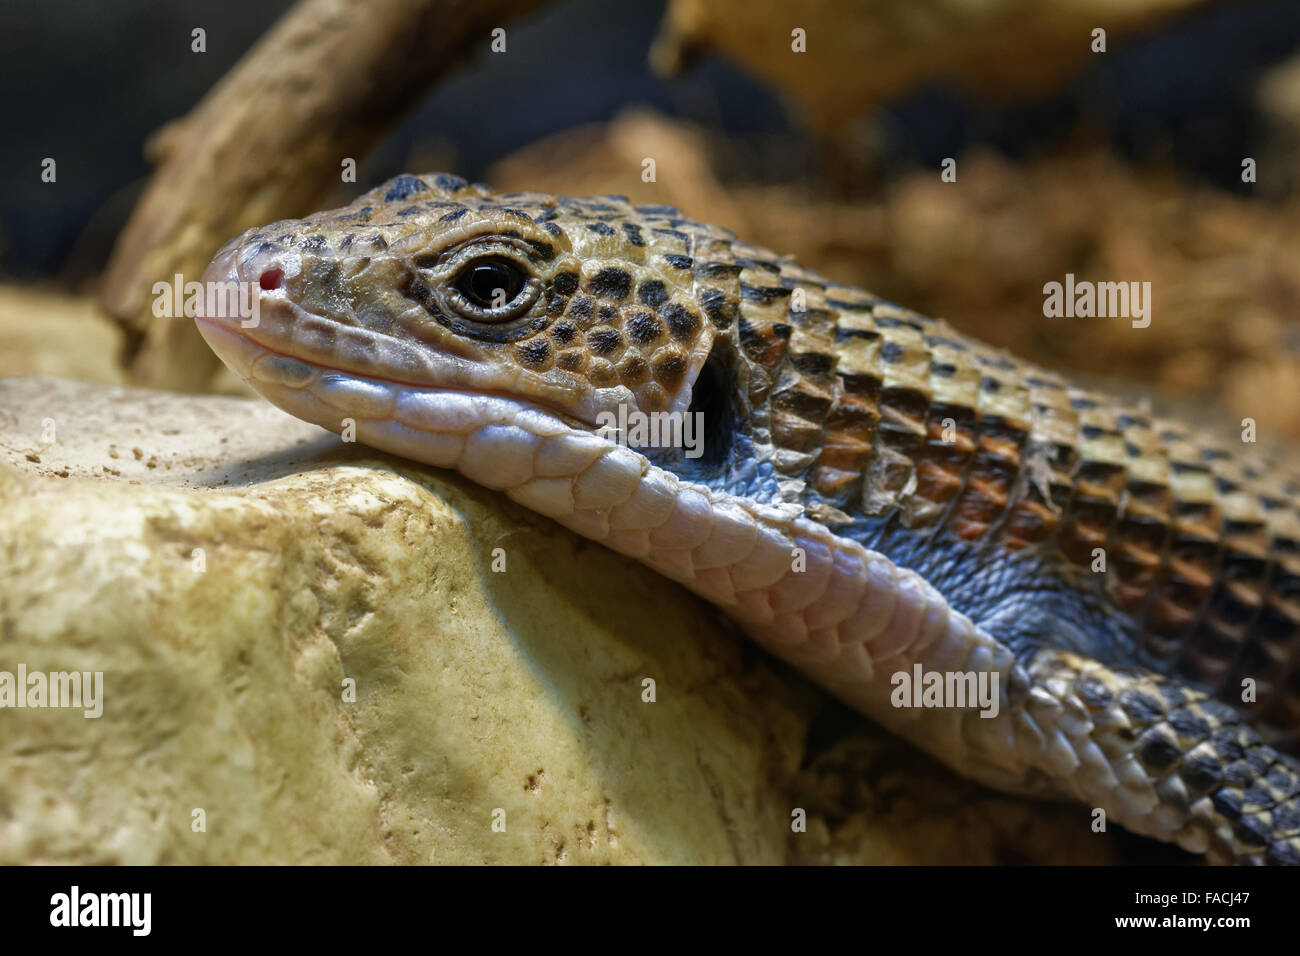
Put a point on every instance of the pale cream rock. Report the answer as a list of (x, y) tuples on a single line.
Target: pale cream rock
[(228, 568)]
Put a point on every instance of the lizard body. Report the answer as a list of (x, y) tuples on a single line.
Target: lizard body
[(878, 495)]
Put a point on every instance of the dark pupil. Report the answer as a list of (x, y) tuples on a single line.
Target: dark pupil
[(483, 280)]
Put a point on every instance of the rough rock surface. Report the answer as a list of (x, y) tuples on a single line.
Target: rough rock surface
[(231, 571)]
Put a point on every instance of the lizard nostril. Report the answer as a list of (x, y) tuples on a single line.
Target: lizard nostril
[(272, 279)]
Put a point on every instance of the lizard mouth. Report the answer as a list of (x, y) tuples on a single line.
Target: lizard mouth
[(350, 392)]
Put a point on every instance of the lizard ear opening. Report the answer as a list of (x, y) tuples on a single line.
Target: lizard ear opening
[(711, 401)]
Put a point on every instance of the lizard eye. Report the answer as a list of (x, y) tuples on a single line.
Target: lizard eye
[(491, 288), (485, 288), (490, 283)]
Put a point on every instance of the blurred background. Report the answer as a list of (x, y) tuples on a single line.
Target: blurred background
[(1117, 165)]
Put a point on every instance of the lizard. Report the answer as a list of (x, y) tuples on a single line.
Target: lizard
[(877, 499)]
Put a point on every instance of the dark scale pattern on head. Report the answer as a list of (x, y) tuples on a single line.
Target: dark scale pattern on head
[(449, 183), (535, 353), (644, 328), (669, 367), (581, 306), (682, 323), (652, 293), (572, 360), (610, 284), (566, 283), (633, 370), (404, 187), (604, 341)]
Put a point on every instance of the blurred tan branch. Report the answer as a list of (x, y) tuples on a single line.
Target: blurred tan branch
[(861, 53)]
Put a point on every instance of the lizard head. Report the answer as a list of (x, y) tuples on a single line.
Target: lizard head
[(429, 301)]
